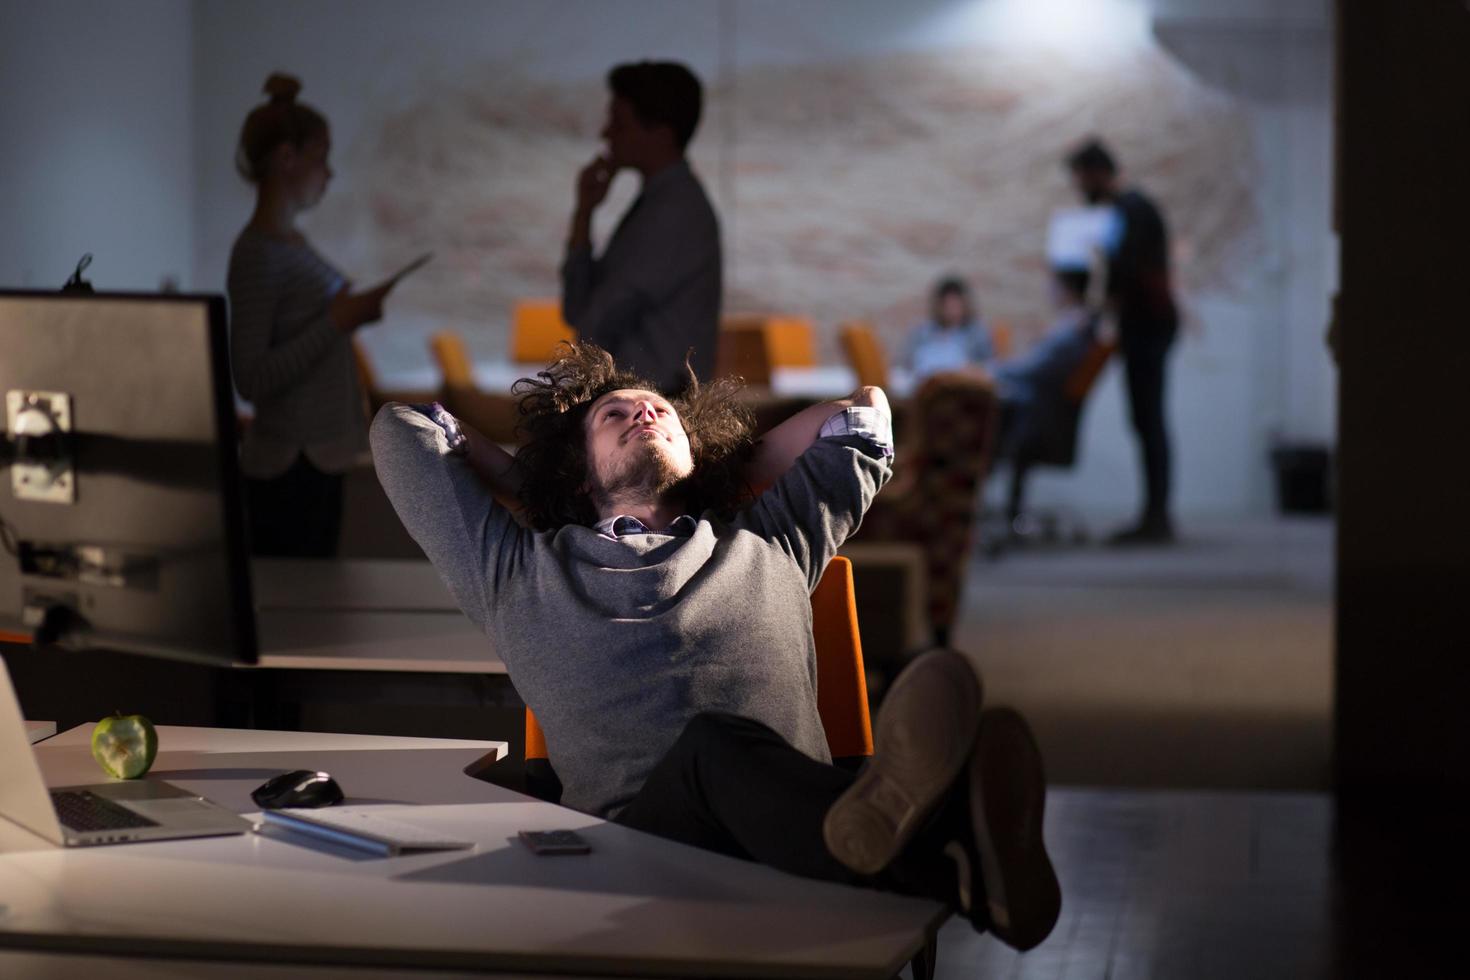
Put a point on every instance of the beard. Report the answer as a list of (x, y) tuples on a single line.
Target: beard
[(640, 477)]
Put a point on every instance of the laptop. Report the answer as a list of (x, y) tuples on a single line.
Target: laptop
[(101, 813)]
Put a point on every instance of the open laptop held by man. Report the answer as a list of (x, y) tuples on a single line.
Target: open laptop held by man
[(114, 812)]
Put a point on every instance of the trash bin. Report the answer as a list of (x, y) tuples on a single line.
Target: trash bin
[(1303, 478)]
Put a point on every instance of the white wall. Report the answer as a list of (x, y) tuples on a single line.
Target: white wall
[(1251, 368), (126, 118), (96, 112)]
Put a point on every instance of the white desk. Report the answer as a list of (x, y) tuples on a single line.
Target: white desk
[(364, 614), (498, 377), (24, 965), (637, 905), (39, 731)]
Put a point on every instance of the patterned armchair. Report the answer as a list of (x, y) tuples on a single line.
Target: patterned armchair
[(946, 438)]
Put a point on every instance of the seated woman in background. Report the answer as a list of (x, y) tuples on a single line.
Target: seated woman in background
[(953, 338), (292, 316)]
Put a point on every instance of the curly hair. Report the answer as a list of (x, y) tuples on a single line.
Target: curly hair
[(553, 461)]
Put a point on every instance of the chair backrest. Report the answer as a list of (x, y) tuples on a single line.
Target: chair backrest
[(1085, 374), (842, 685), (1002, 339), (449, 353), (365, 372), (864, 353), (536, 327), (742, 350), (791, 342), (1051, 432), (842, 681)]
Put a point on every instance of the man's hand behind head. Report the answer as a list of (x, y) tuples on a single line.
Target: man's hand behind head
[(873, 396)]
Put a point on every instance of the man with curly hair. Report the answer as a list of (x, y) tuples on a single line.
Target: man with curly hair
[(643, 567)]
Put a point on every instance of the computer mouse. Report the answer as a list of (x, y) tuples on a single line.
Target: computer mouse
[(302, 788)]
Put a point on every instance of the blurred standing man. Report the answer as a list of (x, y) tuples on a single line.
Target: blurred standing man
[(1139, 293), (653, 296)]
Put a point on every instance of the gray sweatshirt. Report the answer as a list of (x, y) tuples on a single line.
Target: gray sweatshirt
[(616, 643)]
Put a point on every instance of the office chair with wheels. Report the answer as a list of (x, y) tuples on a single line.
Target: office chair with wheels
[(1048, 438)]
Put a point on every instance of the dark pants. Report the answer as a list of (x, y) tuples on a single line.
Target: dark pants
[(295, 515), (734, 786), (1145, 351)]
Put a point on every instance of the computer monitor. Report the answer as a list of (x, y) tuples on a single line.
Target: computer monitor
[(121, 513)]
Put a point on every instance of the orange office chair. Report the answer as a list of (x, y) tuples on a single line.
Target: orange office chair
[(791, 342), (491, 413), (372, 389), (842, 702), (366, 376), (453, 360), (1084, 375), (864, 352), (536, 327), (1002, 339), (1049, 439), (742, 350), (842, 688)]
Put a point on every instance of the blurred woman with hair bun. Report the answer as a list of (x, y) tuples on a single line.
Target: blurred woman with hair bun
[(292, 317)]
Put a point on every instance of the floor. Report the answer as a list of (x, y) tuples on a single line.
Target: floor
[(1164, 884), (1182, 697), (1204, 665), (1226, 885)]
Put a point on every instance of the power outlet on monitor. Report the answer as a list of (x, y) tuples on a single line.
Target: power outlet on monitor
[(38, 422)]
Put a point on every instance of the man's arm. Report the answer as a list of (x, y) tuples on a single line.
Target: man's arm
[(828, 462), (493, 465), (496, 467), (432, 474), (780, 447)]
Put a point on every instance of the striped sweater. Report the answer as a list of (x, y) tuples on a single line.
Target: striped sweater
[(290, 361)]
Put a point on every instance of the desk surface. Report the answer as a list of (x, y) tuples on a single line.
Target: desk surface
[(362, 614), (355, 585), (25, 965), (636, 905), (498, 377), (39, 731)]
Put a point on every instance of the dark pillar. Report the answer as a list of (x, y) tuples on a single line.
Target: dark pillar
[(1403, 570)]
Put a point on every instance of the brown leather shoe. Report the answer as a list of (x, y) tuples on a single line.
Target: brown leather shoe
[(924, 734), (1007, 801)]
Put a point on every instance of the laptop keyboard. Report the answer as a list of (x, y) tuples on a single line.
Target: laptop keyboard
[(88, 811)]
